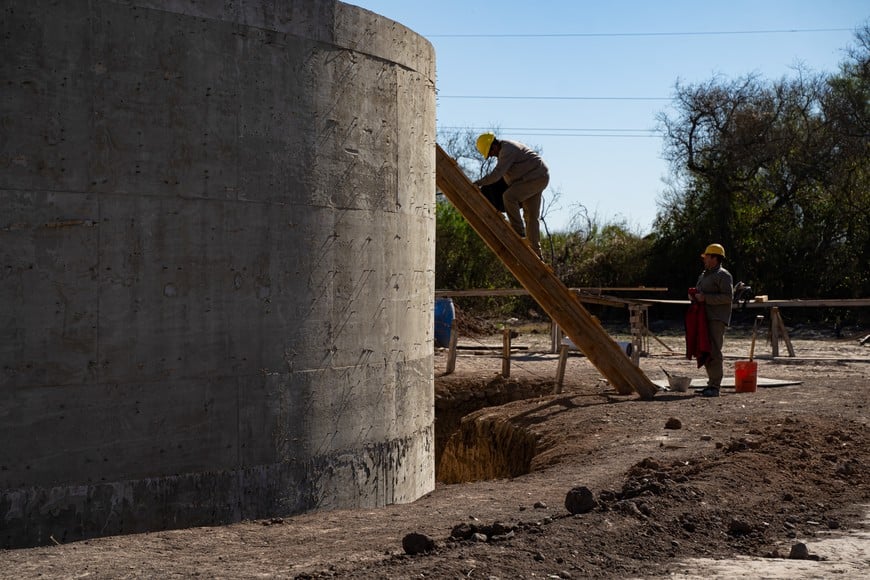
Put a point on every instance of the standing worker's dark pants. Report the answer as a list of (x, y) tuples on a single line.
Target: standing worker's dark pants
[(714, 365)]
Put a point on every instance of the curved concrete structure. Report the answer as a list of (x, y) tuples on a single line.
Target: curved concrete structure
[(217, 248)]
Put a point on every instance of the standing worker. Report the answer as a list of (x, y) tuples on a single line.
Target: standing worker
[(715, 290), (526, 176)]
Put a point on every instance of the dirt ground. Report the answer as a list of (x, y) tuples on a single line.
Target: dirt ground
[(680, 486)]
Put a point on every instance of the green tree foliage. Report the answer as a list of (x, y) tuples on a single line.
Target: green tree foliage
[(778, 173), (592, 255), (462, 259)]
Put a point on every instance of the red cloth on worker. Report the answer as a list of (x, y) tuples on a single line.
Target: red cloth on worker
[(697, 338)]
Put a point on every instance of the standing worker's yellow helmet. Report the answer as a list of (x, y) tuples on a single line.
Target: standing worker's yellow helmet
[(715, 250), (484, 142)]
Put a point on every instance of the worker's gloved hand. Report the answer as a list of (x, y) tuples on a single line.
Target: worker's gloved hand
[(693, 293)]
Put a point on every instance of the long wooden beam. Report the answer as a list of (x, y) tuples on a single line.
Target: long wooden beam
[(522, 291), (583, 296), (586, 295), (562, 305), (797, 303)]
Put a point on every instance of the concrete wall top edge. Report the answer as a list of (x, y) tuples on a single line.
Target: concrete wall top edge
[(310, 19), (329, 21), (365, 31)]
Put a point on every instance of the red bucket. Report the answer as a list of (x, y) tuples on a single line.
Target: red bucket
[(745, 376)]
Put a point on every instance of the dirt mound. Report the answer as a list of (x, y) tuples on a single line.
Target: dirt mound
[(469, 325)]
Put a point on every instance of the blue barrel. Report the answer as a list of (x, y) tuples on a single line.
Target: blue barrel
[(444, 314)]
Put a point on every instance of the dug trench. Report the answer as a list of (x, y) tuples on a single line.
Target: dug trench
[(470, 446)]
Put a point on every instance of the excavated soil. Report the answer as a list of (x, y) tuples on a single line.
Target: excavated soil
[(680, 486)]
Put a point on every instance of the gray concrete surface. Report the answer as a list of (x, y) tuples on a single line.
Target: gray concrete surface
[(216, 263)]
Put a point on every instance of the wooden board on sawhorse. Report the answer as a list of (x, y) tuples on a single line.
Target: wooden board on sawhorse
[(548, 291), (777, 329)]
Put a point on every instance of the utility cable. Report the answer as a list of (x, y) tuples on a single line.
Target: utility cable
[(552, 98), (642, 34)]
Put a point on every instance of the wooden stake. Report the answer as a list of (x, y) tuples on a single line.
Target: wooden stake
[(451, 353), (774, 332), (555, 337), (506, 352), (560, 371)]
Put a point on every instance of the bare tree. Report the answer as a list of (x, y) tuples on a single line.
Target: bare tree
[(778, 172)]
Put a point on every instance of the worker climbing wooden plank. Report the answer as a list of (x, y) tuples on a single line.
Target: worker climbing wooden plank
[(549, 292)]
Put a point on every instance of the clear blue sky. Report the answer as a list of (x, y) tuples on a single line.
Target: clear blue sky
[(613, 66)]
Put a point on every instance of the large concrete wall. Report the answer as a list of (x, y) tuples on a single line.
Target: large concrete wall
[(216, 263)]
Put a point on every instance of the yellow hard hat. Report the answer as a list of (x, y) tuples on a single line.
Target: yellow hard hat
[(484, 142), (715, 250)]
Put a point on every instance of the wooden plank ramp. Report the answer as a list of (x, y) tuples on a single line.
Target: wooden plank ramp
[(560, 303)]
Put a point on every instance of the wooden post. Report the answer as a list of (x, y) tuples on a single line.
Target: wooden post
[(774, 333), (637, 315), (451, 352), (560, 371), (555, 337), (549, 292), (506, 352)]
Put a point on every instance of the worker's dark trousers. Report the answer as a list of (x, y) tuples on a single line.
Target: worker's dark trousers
[(714, 366)]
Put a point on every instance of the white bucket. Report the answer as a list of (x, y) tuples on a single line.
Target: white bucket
[(680, 384)]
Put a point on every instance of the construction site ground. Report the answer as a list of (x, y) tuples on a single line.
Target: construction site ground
[(684, 486)]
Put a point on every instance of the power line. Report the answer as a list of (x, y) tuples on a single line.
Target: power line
[(553, 132), (640, 34), (552, 98), (616, 135), (620, 135), (572, 129), (563, 132)]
